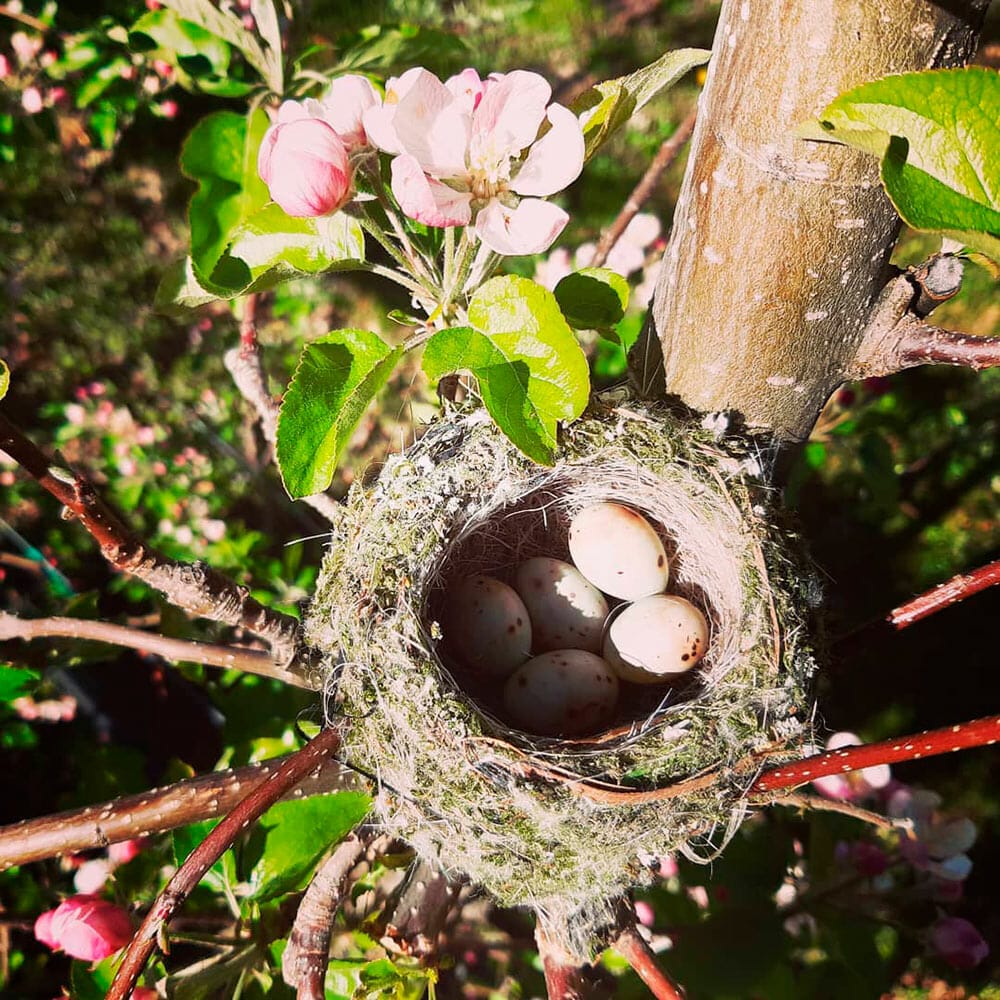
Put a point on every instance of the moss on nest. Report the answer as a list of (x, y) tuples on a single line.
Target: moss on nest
[(561, 825)]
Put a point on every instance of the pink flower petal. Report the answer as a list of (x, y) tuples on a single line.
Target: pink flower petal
[(344, 105), (88, 928), (91, 875), (555, 161), (427, 200), (378, 121), (467, 89), (530, 228), (433, 127), (835, 786), (512, 109), (43, 929)]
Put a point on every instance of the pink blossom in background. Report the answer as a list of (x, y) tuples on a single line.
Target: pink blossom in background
[(644, 913), (958, 942), (144, 993), (85, 927), (91, 876), (25, 46), (852, 785), (937, 843), (304, 163), (169, 109), (467, 151), (125, 850), (4, 66), (32, 100)]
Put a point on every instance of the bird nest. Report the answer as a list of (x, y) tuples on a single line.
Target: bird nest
[(560, 824)]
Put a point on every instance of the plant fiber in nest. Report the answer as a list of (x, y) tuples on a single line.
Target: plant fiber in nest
[(560, 825)]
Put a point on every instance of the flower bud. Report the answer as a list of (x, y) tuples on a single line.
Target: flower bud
[(305, 166), (958, 942), (85, 927)]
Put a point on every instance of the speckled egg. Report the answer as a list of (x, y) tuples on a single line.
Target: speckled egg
[(566, 692), (618, 551), (566, 611), (487, 626), (656, 640)]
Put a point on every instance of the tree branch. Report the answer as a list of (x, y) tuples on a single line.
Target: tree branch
[(668, 152), (944, 595), (251, 661), (192, 800), (244, 365), (421, 910), (304, 963), (194, 587), (979, 732), (896, 336), (565, 978), (818, 803), (631, 945), (31, 22), (292, 771)]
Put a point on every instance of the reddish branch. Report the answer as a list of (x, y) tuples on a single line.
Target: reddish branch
[(304, 963), (631, 945), (292, 771), (666, 155), (980, 732), (923, 344), (195, 587), (565, 977), (944, 595), (251, 661), (248, 324), (192, 800)]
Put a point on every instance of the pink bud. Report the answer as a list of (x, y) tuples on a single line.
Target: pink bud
[(85, 927), (31, 100), (144, 993), (153, 4), (91, 876), (958, 942), (25, 46), (248, 22), (124, 851), (58, 95), (305, 166), (644, 913), (169, 109)]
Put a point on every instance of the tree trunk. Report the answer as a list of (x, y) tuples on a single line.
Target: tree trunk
[(781, 246)]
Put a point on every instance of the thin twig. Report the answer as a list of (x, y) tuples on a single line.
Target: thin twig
[(813, 803), (251, 661), (31, 22), (194, 587), (631, 945), (191, 800), (668, 152), (944, 595), (303, 965), (245, 366), (292, 771), (248, 325), (979, 732)]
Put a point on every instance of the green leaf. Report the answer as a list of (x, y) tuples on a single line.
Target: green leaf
[(938, 136), (4, 378), (593, 298), (180, 289), (266, 17), (15, 681), (390, 49), (91, 981), (230, 28), (272, 247), (531, 370), (184, 44), (337, 377), (608, 105), (297, 834), (221, 155)]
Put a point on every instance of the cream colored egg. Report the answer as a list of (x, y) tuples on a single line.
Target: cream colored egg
[(656, 640), (618, 551), (487, 626), (566, 692), (566, 611)]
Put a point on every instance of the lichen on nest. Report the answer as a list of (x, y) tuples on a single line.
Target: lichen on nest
[(560, 825)]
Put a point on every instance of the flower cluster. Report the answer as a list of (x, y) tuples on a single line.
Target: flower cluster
[(469, 151)]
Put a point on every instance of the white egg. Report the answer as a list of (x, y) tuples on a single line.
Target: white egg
[(618, 551), (656, 640), (566, 692), (566, 611), (487, 627)]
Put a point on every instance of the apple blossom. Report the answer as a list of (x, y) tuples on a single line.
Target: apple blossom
[(91, 876), (125, 850), (304, 163), (958, 942), (85, 927), (32, 100), (467, 150)]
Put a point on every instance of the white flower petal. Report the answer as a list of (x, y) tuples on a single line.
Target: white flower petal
[(433, 127), (344, 104), (427, 200), (378, 121), (530, 228), (555, 161), (512, 109)]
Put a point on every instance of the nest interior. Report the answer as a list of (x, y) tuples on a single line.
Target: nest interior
[(561, 825)]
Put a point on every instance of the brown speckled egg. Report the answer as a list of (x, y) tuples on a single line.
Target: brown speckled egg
[(566, 611), (618, 551), (487, 627), (566, 692), (656, 640)]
